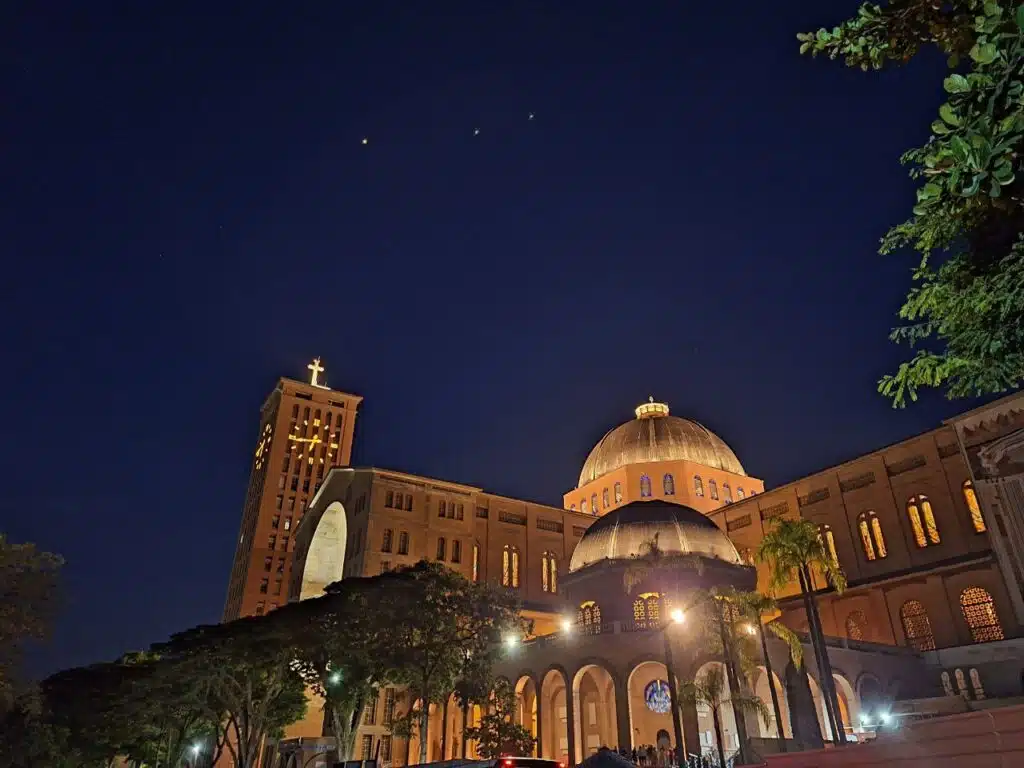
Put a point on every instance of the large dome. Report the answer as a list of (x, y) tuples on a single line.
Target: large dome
[(655, 436), (628, 532)]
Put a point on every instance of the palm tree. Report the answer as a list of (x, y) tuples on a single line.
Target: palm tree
[(752, 607), (709, 690), (795, 547)]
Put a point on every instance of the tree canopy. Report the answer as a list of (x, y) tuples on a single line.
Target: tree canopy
[(28, 592), (498, 734), (964, 314)]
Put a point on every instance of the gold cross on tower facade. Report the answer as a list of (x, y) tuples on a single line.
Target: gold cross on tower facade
[(317, 369)]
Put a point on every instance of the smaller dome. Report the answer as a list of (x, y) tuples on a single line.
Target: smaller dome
[(627, 533)]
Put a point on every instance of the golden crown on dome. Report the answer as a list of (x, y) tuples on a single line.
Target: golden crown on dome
[(655, 435)]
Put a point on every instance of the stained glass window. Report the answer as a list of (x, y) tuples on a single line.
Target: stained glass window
[(856, 625), (713, 487), (698, 486), (922, 521), (670, 485), (980, 612), (645, 486), (916, 626), (618, 492), (977, 520)]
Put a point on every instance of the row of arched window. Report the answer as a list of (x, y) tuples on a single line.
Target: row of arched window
[(979, 611), (977, 690), (668, 487), (922, 524), (510, 572)]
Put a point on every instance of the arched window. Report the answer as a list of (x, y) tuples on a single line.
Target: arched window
[(670, 485), (440, 548), (403, 543), (727, 493), (589, 617), (922, 521), (976, 686), (593, 504), (971, 498), (961, 682), (713, 488), (739, 492), (698, 486), (549, 573), (645, 487), (385, 545), (476, 561), (618, 492), (916, 626), (829, 540), (605, 498), (980, 612), (456, 551), (583, 506), (947, 685), (871, 538), (510, 567), (647, 610), (856, 625)]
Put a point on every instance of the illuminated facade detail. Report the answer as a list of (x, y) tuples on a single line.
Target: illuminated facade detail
[(917, 626), (316, 369), (647, 610), (961, 682), (872, 541), (583, 506), (922, 521), (510, 567), (549, 573), (618, 493), (980, 614), (726, 493), (739, 492), (856, 625), (698, 486), (593, 503), (829, 540), (605, 498), (971, 499), (713, 489), (476, 562), (645, 487), (669, 485), (589, 616)]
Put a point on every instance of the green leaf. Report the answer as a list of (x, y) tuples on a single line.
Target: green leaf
[(953, 61), (804, 47), (1020, 17), (995, 189), (946, 113), (929, 191), (984, 53), (940, 128), (960, 149), (956, 84)]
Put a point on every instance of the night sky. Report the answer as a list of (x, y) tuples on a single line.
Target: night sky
[(188, 212)]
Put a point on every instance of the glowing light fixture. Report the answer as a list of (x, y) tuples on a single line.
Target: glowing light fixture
[(566, 625), (886, 717), (511, 641), (335, 678), (865, 720), (678, 616), (751, 630)]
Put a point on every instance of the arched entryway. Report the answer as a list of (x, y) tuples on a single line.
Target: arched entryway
[(593, 690), (819, 709), (554, 740), (705, 719), (849, 704), (763, 692), (649, 704), (325, 560), (526, 706)]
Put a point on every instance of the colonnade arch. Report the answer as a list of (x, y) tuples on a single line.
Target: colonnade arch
[(595, 724), (552, 718), (763, 692), (527, 708), (727, 718), (324, 562)]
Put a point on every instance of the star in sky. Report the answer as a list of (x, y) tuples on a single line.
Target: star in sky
[(476, 131)]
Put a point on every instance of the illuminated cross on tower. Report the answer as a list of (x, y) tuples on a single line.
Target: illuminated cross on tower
[(317, 369)]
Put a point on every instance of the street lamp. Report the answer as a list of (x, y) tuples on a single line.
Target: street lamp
[(197, 747), (335, 678), (758, 629), (678, 617)]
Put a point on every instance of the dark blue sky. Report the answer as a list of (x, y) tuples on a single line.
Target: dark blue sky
[(188, 213)]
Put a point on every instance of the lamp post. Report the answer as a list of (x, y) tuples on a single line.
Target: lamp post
[(678, 617), (776, 710)]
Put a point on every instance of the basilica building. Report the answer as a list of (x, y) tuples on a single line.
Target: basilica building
[(930, 549)]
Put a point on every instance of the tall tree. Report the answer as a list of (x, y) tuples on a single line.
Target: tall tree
[(709, 689), (498, 733), (441, 626), (247, 667), (28, 591), (793, 549), (965, 311), (338, 638)]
